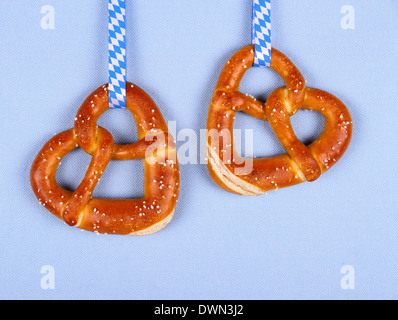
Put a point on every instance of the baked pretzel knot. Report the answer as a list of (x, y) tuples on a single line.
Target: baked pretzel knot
[(155, 146), (301, 163)]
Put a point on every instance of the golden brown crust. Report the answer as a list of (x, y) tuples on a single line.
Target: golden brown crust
[(113, 216), (301, 162)]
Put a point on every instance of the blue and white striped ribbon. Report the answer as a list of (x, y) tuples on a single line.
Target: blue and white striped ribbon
[(117, 53), (261, 35)]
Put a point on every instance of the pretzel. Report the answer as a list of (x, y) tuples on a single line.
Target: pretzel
[(300, 163), (143, 216)]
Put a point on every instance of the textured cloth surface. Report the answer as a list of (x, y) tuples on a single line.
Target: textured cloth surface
[(289, 244)]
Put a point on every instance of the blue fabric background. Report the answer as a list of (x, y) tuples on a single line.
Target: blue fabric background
[(290, 244)]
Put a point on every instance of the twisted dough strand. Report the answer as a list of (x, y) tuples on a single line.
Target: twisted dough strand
[(118, 216), (301, 162)]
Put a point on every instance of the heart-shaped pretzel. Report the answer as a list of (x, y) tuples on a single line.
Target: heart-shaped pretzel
[(301, 163), (113, 216)]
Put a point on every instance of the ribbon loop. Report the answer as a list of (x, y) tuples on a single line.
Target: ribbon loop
[(117, 53), (261, 33)]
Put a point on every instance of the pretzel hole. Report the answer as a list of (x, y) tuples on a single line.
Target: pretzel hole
[(307, 125), (121, 180), (264, 143), (72, 169), (260, 82), (121, 124)]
